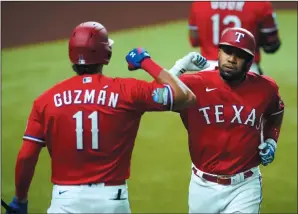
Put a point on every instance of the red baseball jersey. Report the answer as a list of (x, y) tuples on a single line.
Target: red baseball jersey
[(211, 18), (89, 124), (225, 126)]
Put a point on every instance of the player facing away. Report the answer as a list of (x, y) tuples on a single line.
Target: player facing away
[(207, 20), (89, 123), (232, 129)]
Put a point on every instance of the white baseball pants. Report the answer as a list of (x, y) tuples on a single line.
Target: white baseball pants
[(242, 196), (95, 198)]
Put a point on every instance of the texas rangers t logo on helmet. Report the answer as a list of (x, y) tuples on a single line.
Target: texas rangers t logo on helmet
[(81, 60), (239, 36)]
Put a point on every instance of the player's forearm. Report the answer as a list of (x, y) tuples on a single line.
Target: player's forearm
[(183, 96), (273, 126), (25, 167)]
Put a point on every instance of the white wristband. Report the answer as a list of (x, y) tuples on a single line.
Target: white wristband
[(176, 71)]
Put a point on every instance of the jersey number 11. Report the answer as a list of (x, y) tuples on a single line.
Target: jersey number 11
[(94, 129)]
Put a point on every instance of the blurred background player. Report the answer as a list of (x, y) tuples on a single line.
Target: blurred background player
[(89, 123), (207, 20), (232, 129)]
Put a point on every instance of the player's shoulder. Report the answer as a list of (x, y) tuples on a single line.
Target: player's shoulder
[(265, 81), (258, 7), (199, 6), (45, 95), (126, 81), (205, 75), (199, 76), (209, 74), (126, 84), (262, 4), (270, 81)]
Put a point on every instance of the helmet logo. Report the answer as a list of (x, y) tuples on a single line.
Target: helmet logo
[(81, 60), (239, 36)]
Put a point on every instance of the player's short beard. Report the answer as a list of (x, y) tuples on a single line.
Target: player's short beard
[(236, 76)]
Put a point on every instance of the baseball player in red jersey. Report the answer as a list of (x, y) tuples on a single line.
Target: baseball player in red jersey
[(232, 128), (207, 20), (89, 123)]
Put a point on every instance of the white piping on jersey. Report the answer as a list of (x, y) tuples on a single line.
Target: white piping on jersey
[(276, 113), (34, 139), (268, 30), (192, 27), (171, 97)]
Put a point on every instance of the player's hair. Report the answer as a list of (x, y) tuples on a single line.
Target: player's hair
[(249, 58), (87, 69)]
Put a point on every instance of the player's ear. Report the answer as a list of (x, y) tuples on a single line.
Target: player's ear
[(248, 65)]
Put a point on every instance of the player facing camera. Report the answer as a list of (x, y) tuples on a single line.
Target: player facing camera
[(233, 63), (235, 54), (89, 48)]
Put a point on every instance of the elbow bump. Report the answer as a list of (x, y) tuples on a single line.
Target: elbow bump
[(185, 99), (181, 99), (192, 99)]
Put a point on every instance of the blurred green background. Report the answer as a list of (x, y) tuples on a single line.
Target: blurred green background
[(161, 163)]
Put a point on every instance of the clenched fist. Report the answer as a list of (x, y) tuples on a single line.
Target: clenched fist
[(191, 62)]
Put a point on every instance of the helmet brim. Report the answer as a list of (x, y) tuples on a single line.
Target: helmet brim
[(232, 45)]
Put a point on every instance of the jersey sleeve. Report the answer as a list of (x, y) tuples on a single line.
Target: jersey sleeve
[(276, 104), (192, 24), (268, 21), (193, 34), (193, 81), (148, 96), (35, 130), (268, 25)]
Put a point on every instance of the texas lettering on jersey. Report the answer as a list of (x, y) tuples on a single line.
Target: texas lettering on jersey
[(248, 119), (225, 127)]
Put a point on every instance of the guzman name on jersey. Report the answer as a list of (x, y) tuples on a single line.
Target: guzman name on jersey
[(101, 97)]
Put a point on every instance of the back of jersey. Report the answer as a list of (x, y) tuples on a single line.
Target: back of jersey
[(211, 18), (87, 132), (89, 124)]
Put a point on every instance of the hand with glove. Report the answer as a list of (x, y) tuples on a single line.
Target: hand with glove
[(191, 62), (20, 207), (267, 151), (135, 57), (140, 58)]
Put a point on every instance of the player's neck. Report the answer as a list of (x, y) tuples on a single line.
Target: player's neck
[(235, 82)]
